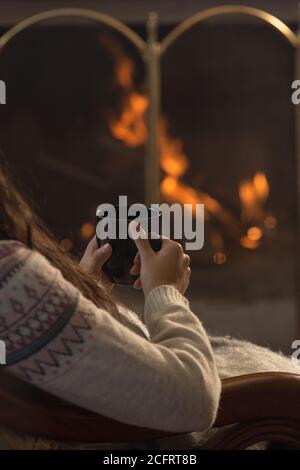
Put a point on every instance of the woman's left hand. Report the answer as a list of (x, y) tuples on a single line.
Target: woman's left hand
[(94, 258)]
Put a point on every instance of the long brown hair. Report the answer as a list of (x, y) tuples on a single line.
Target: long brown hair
[(19, 222)]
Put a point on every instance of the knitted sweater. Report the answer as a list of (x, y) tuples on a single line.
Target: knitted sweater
[(160, 374)]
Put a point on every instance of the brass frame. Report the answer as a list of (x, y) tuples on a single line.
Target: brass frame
[(74, 12), (229, 10), (152, 164)]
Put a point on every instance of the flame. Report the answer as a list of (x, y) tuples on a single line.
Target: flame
[(175, 163), (253, 193), (261, 186), (124, 69), (246, 242), (129, 127), (254, 233), (176, 191), (172, 158)]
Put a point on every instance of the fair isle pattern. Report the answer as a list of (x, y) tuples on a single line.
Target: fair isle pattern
[(8, 266), (44, 321)]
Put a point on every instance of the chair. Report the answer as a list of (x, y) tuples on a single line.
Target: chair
[(254, 408)]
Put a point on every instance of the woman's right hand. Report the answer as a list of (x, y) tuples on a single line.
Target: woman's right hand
[(168, 266)]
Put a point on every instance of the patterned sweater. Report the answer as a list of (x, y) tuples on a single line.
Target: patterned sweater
[(159, 374)]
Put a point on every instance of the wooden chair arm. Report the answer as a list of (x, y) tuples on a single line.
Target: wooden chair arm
[(259, 396)]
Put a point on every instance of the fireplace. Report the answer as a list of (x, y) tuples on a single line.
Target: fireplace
[(199, 113)]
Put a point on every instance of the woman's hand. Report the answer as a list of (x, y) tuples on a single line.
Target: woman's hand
[(94, 258), (168, 266)]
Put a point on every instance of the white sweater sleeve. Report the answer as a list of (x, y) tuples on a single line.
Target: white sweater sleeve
[(83, 354), (169, 383)]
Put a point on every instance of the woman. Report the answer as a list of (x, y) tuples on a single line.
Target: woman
[(65, 333)]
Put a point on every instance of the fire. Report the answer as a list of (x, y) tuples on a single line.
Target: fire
[(172, 157), (253, 194), (261, 186), (130, 128), (124, 69), (254, 233), (252, 239), (175, 163), (246, 242)]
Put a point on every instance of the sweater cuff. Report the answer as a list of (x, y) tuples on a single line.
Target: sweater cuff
[(164, 295)]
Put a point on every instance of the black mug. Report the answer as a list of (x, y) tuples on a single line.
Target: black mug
[(117, 267)]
